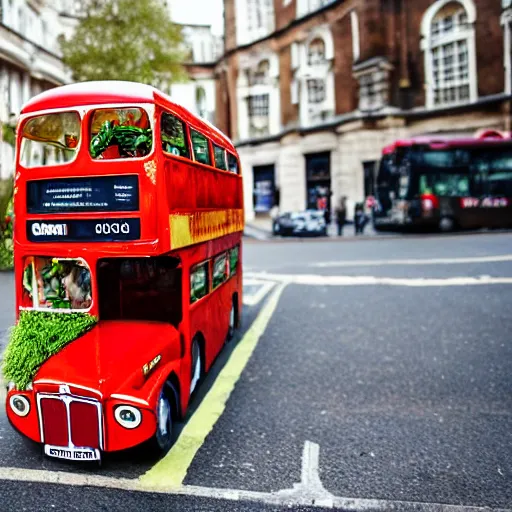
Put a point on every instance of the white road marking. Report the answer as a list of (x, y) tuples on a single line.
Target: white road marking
[(316, 280), (290, 499), (263, 288), (433, 261)]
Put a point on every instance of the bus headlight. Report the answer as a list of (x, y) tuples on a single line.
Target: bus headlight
[(128, 416), (19, 405)]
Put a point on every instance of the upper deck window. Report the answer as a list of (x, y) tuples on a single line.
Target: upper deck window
[(174, 138), (201, 149), (220, 158), (232, 163), (50, 139), (120, 133)]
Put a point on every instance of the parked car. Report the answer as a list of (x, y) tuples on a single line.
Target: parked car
[(306, 223)]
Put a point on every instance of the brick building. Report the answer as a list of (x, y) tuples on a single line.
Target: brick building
[(312, 90)]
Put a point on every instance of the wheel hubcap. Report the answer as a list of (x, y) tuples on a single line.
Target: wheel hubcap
[(164, 414), (232, 318), (197, 369)]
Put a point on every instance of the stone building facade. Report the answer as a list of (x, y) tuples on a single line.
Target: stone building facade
[(312, 90), (29, 59)]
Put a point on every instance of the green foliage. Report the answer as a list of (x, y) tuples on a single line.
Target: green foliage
[(37, 336), (125, 40), (6, 220), (9, 134), (131, 140)]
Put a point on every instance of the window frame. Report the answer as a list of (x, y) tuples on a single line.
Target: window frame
[(94, 290), (235, 248), (209, 289), (186, 136), (148, 108), (216, 146), (431, 41), (226, 270), (78, 149), (228, 154), (191, 130)]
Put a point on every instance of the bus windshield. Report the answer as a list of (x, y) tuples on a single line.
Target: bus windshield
[(50, 139), (56, 283), (140, 289), (120, 133)]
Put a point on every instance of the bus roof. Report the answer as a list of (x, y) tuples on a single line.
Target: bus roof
[(111, 92), (484, 139)]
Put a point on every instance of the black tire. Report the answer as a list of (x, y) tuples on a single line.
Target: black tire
[(166, 417), (446, 224), (196, 373)]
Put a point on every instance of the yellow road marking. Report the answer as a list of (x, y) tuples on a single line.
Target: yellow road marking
[(170, 472)]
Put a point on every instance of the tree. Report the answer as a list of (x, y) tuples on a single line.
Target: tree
[(125, 40)]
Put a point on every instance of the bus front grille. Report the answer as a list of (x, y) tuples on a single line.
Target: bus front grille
[(70, 421)]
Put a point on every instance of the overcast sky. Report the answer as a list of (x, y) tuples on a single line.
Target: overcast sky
[(202, 12)]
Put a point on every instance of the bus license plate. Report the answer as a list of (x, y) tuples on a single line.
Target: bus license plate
[(61, 452)]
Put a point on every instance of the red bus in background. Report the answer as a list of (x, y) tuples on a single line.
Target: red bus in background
[(445, 184), (141, 228)]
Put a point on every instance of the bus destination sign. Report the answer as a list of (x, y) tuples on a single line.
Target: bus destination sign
[(87, 230), (96, 194)]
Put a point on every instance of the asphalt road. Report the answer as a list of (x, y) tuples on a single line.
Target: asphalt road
[(403, 380)]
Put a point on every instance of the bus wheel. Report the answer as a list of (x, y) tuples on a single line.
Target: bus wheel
[(446, 224), (163, 438), (196, 365), (232, 320)]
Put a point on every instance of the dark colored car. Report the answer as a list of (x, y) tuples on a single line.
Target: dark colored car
[(306, 223)]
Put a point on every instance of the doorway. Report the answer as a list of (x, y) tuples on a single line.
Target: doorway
[(318, 181)]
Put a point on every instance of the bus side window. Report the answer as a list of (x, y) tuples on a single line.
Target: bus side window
[(220, 270), (173, 134), (199, 285), (232, 163), (233, 260), (200, 146), (220, 157)]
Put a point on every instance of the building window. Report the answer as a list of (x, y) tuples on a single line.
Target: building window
[(316, 90), (258, 105), (260, 75), (260, 18), (201, 102), (173, 134), (506, 21), (306, 6), (450, 65), (200, 146), (258, 108), (356, 47), (316, 52)]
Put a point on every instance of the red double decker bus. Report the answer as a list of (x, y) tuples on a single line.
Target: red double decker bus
[(446, 184), (129, 209)]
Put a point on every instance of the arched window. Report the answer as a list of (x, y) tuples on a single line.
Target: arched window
[(260, 75), (449, 45), (316, 52)]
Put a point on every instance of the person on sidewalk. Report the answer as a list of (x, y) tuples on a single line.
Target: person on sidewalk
[(360, 218), (341, 215)]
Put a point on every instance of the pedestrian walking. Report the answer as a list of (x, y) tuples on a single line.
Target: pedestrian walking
[(360, 218), (341, 215)]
